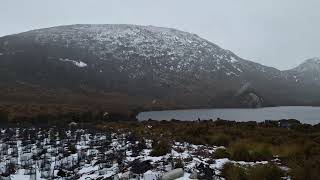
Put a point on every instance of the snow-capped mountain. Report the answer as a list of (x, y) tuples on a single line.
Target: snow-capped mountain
[(306, 72), (134, 46), (160, 66)]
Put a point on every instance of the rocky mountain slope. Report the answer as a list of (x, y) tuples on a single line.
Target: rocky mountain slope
[(307, 72), (135, 66)]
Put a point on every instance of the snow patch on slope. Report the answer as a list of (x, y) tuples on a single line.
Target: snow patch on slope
[(176, 51), (77, 63), (233, 60)]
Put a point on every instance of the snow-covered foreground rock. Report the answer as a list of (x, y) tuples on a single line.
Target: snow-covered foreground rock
[(90, 154)]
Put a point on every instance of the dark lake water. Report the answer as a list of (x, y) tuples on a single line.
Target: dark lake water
[(305, 114)]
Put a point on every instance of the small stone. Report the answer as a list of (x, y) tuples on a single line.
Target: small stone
[(126, 176), (193, 175), (116, 177), (174, 174)]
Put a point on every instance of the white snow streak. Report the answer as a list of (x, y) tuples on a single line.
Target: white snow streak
[(77, 63)]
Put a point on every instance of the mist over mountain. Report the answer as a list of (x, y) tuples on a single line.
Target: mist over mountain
[(147, 67)]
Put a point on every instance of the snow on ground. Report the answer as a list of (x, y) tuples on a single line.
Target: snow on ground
[(86, 154)]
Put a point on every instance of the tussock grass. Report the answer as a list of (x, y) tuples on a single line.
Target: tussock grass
[(232, 171)]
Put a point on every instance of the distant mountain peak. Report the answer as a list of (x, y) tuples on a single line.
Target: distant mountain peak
[(306, 72), (313, 60), (309, 65)]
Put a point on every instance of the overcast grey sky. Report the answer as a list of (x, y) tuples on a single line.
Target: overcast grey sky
[(279, 33)]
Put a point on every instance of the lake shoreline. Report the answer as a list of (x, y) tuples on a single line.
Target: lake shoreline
[(305, 114)]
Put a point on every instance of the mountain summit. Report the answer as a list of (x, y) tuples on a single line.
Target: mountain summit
[(135, 66), (307, 72), (309, 65)]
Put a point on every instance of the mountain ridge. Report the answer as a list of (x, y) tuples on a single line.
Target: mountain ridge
[(165, 67)]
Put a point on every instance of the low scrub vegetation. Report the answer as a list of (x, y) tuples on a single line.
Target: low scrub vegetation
[(221, 153), (160, 148), (233, 172), (297, 146), (259, 172), (243, 152)]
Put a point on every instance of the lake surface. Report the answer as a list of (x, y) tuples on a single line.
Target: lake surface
[(305, 114)]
